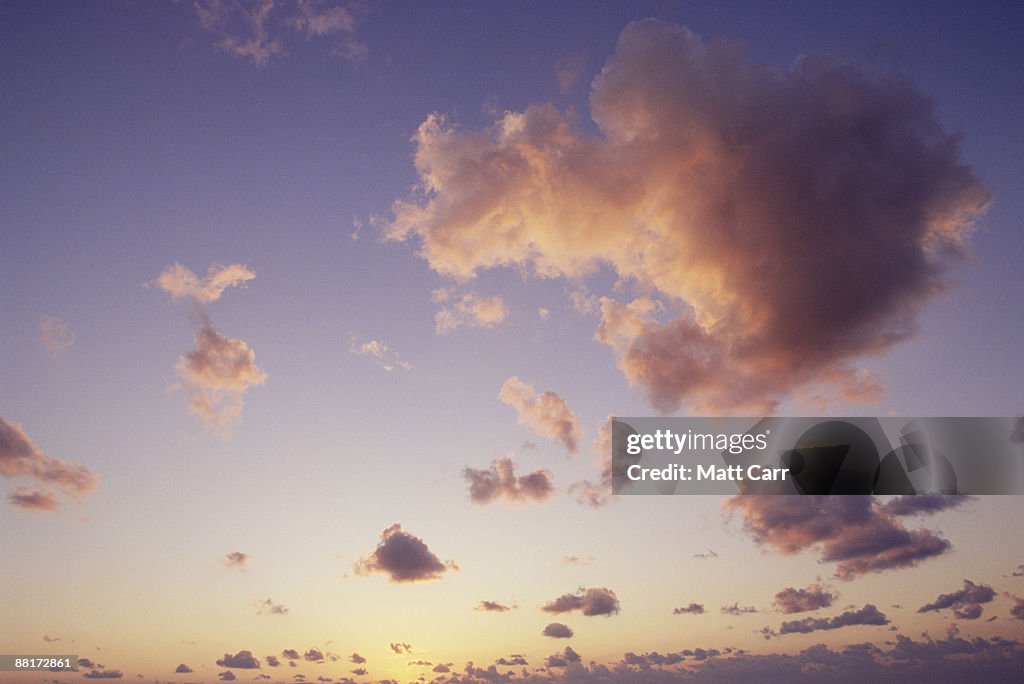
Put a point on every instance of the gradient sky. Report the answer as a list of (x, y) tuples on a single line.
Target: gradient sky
[(385, 272)]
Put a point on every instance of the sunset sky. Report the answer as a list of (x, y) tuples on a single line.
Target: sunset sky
[(314, 314)]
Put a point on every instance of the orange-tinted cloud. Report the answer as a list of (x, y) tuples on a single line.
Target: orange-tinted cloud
[(468, 311), (852, 531), (382, 354), (31, 499), (181, 283), (20, 457), (546, 414), (404, 558), (792, 600), (779, 224), (236, 559), (216, 375), (55, 335), (590, 602), (500, 481)]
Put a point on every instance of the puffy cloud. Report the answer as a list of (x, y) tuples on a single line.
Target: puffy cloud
[(55, 335), (513, 660), (400, 647), (782, 223), (442, 668), (181, 283), (268, 607), (546, 414), (493, 607), (313, 655), (227, 676), (966, 603), (1017, 609), (30, 499), (591, 602), (243, 660), (357, 659), (500, 481), (563, 659), (403, 557), (183, 669), (236, 559), (467, 311), (853, 531), (692, 609), (924, 504), (384, 356), (272, 661), (359, 671), (290, 654), (557, 630), (258, 30), (216, 375), (736, 609), (791, 600), (868, 615), (20, 457)]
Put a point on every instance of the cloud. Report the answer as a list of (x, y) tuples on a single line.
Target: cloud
[(243, 660), (272, 661), (468, 311), (966, 603), (236, 559), (183, 669), (735, 609), (577, 560), (569, 70), (924, 504), (500, 481), (705, 556), (595, 494), (227, 676), (55, 335), (290, 654), (49, 639), (692, 609), (546, 414), (268, 607), (404, 558), (313, 655), (400, 648), (1019, 572), (868, 615), (493, 607), (383, 355), (557, 630), (780, 223), (514, 660), (791, 600), (442, 668), (1017, 609), (31, 499), (563, 659), (357, 659), (591, 602), (216, 375), (853, 531), (88, 664), (258, 30), (103, 674), (181, 283), (20, 457)]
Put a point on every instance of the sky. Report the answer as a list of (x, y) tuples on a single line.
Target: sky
[(315, 312)]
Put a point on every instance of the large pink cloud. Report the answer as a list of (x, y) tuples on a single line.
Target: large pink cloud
[(774, 225)]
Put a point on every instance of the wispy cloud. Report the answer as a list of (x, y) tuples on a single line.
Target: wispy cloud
[(258, 30), (868, 615), (236, 559), (467, 311), (55, 335), (546, 414), (381, 353), (21, 458)]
